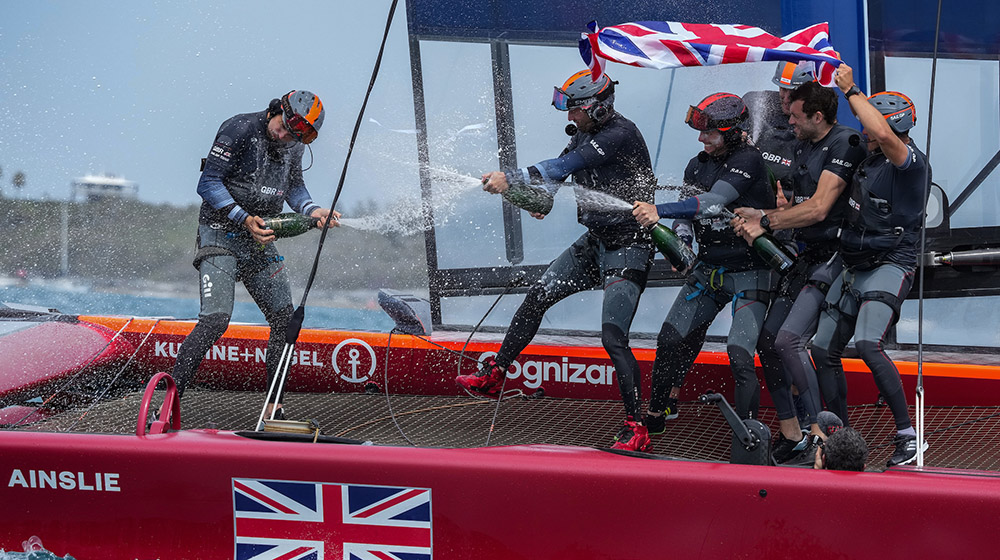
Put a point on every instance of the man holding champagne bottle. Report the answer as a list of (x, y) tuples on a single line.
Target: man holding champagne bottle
[(606, 153), (252, 170), (731, 173), (824, 161)]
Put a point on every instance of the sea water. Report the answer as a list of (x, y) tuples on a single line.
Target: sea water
[(77, 299)]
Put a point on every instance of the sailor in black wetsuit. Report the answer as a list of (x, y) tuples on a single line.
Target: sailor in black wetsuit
[(252, 170), (607, 154), (825, 159), (879, 247), (732, 174), (770, 130)]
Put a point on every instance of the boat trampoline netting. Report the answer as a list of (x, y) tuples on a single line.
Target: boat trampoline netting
[(959, 437)]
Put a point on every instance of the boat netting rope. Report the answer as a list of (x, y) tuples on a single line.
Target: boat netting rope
[(959, 437)]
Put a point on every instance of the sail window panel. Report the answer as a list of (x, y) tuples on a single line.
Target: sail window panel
[(965, 133), (458, 94)]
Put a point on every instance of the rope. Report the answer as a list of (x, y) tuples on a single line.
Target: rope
[(121, 370), (76, 375), (923, 249), (295, 324)]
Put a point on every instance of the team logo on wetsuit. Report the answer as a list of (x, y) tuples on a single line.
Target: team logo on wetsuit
[(271, 191), (739, 172), (853, 204), (838, 161), (206, 286), (354, 360), (776, 158), (597, 147), (221, 153)]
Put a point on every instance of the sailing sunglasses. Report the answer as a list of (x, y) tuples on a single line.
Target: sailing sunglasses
[(698, 120), (560, 99), (297, 125)]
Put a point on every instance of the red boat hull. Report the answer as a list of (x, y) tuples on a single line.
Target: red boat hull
[(172, 496)]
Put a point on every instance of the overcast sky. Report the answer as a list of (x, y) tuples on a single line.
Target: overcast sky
[(138, 89)]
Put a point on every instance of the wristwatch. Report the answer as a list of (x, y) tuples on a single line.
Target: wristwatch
[(853, 91), (765, 223)]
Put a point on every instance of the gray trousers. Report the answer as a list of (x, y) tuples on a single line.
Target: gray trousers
[(865, 305), (235, 257), (709, 290), (791, 322), (588, 263)]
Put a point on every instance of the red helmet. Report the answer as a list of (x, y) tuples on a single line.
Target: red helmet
[(719, 111)]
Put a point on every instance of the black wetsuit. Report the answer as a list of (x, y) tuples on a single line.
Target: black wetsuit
[(879, 246), (728, 272), (793, 315), (615, 252), (245, 174)]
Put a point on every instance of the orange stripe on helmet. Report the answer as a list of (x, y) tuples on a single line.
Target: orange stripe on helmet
[(314, 111), (573, 78), (912, 107), (788, 72)]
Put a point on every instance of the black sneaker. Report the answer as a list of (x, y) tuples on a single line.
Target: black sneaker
[(656, 425), (785, 449), (807, 456), (906, 450), (671, 412)]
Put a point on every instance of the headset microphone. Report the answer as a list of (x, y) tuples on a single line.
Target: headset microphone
[(570, 129)]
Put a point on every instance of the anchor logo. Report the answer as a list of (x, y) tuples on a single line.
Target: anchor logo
[(353, 355)]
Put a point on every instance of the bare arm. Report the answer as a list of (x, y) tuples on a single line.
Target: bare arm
[(871, 119)]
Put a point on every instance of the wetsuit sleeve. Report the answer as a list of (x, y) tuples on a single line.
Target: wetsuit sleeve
[(844, 155), (228, 142), (300, 200), (298, 196), (548, 173), (732, 182), (911, 158)]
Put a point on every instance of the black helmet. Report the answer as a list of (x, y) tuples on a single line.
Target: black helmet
[(302, 114), (789, 75), (579, 91), (896, 108), (722, 111)]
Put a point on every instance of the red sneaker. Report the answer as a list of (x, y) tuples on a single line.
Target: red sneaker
[(488, 380), (632, 437)]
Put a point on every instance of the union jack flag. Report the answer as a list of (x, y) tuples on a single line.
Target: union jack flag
[(291, 520), (669, 44)]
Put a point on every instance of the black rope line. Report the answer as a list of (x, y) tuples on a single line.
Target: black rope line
[(110, 384), (65, 385)]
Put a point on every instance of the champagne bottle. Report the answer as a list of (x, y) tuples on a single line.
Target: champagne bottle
[(290, 224), (673, 247), (532, 198), (774, 253)]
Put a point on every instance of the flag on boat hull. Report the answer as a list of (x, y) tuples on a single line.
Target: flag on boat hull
[(294, 520), (670, 44)]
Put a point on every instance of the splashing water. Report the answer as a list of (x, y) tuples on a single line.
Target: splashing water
[(407, 215), (587, 199)]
